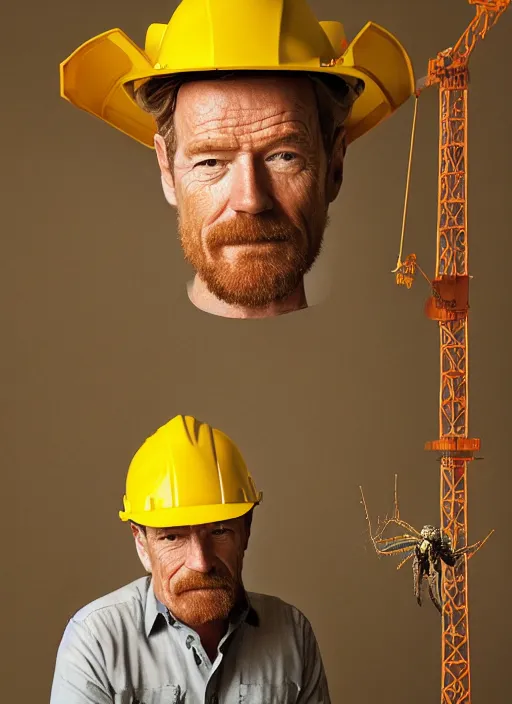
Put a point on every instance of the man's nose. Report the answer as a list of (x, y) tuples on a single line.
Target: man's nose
[(250, 188), (200, 557)]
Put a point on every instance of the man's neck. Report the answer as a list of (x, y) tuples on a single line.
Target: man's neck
[(211, 635), (203, 299)]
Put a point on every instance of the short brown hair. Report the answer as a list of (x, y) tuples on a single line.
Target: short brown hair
[(334, 97)]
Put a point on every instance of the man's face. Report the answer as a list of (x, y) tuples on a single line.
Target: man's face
[(197, 570), (249, 183)]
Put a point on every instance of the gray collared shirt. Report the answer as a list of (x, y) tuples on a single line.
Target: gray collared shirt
[(125, 648)]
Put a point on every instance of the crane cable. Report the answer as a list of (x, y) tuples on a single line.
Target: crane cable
[(405, 271), (408, 182)]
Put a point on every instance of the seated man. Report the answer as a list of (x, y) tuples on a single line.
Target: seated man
[(189, 632)]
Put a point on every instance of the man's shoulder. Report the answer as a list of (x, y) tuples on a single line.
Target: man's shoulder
[(272, 608), (127, 601)]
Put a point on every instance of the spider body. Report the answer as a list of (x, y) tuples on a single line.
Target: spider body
[(428, 548), (432, 548)]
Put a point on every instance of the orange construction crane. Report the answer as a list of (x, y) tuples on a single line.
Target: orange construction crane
[(448, 305)]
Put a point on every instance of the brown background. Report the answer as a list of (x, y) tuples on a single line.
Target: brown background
[(101, 346)]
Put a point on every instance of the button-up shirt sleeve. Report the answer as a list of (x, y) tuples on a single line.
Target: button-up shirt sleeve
[(80, 676), (314, 682)]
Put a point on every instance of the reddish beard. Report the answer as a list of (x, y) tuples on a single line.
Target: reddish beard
[(200, 598), (258, 276)]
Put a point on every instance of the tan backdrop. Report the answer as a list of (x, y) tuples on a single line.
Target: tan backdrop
[(101, 346)]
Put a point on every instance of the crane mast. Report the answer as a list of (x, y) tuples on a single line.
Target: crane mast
[(441, 556), (449, 306)]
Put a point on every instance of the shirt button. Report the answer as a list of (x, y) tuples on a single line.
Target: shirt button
[(189, 641)]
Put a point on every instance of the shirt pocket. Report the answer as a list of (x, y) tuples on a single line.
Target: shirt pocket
[(265, 693), (168, 694)]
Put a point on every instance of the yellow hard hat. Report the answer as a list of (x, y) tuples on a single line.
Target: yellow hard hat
[(187, 473), (204, 35)]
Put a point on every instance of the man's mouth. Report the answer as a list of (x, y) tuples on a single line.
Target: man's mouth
[(202, 589), (195, 587), (264, 241)]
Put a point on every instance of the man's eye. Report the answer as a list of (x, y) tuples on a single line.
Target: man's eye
[(171, 537), (212, 163), (219, 531), (284, 156)]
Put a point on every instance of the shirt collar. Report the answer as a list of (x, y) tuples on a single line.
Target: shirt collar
[(151, 612), (155, 610)]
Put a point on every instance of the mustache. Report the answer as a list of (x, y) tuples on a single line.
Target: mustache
[(202, 581), (252, 229)]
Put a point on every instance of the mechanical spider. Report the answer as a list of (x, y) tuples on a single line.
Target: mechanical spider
[(429, 548)]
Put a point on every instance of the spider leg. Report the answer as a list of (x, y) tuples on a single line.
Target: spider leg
[(434, 584), (383, 524), (401, 564), (417, 573), (402, 524), (391, 546), (396, 514), (396, 520), (470, 550)]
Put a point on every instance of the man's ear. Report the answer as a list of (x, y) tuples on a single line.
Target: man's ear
[(247, 523), (335, 170), (246, 537), (165, 170), (141, 545)]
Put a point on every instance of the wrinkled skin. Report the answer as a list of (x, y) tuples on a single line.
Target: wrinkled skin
[(252, 185), (197, 572)]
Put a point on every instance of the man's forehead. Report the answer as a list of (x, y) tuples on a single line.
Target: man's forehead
[(235, 104), (247, 89), (200, 526)]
